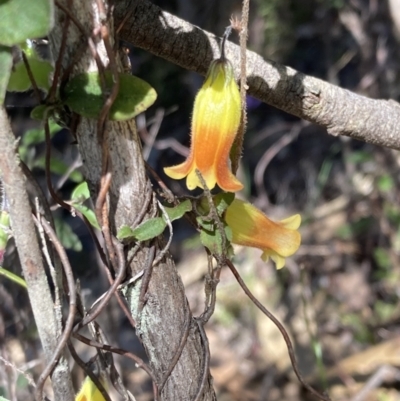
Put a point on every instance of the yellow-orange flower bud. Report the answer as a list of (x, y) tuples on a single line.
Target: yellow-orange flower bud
[(251, 227), (89, 392), (216, 118)]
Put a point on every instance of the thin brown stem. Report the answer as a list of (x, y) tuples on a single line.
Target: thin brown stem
[(118, 280), (280, 327), (206, 363), (57, 70), (88, 372), (140, 363), (148, 269), (31, 78)]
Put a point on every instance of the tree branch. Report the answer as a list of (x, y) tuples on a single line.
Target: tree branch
[(342, 112), (31, 260)]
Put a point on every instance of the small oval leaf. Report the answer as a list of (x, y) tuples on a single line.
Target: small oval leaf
[(21, 20), (176, 212), (149, 229), (80, 193), (88, 213), (39, 112), (20, 81), (84, 95)]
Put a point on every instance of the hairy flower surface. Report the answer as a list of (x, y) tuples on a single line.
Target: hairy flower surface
[(251, 227), (216, 118)]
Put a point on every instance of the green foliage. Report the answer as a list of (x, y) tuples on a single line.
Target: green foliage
[(5, 68), (21, 20), (41, 70), (345, 231), (382, 258), (149, 229), (277, 23), (88, 213), (211, 236), (85, 96), (221, 203), (33, 137), (178, 211), (361, 332), (4, 228), (39, 112), (57, 166), (67, 237), (359, 157), (384, 311), (79, 195), (154, 227), (392, 212), (385, 183)]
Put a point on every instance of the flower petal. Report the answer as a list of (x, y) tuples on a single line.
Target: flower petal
[(216, 118), (251, 227)]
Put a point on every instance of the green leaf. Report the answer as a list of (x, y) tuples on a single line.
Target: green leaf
[(39, 112), (222, 201), (20, 81), (206, 224), (125, 232), (4, 229), (213, 240), (359, 157), (154, 227), (88, 213), (5, 68), (382, 258), (176, 212), (385, 183), (35, 136), (228, 233), (149, 229), (59, 167), (21, 19), (84, 95), (67, 237), (80, 193)]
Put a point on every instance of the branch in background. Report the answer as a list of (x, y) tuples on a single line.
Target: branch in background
[(31, 261), (342, 112)]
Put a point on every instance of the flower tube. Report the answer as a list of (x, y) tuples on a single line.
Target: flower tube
[(216, 118), (251, 227)]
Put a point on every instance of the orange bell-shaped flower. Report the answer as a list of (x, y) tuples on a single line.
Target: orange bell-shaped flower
[(216, 118), (251, 227)]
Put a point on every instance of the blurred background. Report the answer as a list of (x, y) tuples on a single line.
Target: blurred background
[(338, 296)]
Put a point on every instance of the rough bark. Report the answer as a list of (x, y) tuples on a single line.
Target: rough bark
[(161, 322), (47, 320), (342, 112)]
